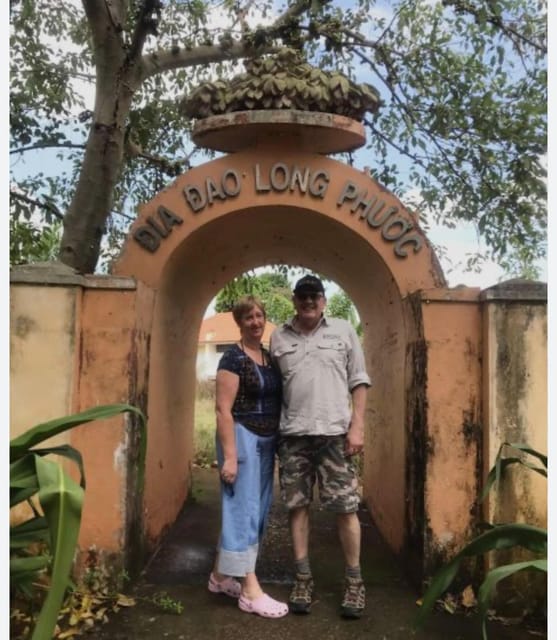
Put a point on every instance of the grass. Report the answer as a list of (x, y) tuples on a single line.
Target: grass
[(205, 425)]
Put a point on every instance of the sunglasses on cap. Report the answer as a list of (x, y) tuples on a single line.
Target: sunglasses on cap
[(312, 295)]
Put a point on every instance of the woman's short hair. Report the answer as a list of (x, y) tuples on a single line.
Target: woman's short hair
[(245, 305)]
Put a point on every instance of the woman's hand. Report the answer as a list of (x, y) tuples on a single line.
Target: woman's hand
[(229, 470)]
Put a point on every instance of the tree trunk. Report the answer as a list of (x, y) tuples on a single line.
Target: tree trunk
[(116, 81), (85, 221)]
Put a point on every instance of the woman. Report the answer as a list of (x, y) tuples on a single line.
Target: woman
[(248, 398)]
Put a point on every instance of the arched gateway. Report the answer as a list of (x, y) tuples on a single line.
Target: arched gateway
[(277, 198)]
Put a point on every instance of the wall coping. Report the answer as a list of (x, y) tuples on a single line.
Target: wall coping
[(456, 294), (516, 290), (59, 274)]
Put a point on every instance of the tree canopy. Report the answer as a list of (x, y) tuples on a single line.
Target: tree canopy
[(275, 292), (272, 288), (460, 133)]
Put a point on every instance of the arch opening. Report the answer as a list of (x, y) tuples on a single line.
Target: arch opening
[(194, 274)]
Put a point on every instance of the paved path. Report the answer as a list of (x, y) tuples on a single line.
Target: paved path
[(182, 564)]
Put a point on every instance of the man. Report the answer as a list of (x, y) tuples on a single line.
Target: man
[(322, 365)]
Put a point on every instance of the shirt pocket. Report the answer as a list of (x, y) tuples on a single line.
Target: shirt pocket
[(332, 351), (287, 356)]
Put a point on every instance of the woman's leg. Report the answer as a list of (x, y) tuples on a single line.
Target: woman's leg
[(263, 472), (238, 543)]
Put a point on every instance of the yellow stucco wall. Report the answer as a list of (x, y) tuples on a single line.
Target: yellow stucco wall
[(42, 342), (516, 405), (515, 408)]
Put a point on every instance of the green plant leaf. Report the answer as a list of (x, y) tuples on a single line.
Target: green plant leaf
[(500, 537), (29, 531), (526, 448), (496, 472), (489, 585), (20, 446), (501, 463), (17, 496), (23, 480), (66, 451), (29, 565), (61, 499)]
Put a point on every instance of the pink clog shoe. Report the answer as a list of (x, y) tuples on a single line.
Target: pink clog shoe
[(229, 586), (264, 606)]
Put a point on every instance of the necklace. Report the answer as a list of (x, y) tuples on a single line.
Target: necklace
[(256, 352)]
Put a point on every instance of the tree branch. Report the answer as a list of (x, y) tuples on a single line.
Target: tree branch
[(47, 145), (393, 144), (461, 6), (145, 25), (47, 206), (180, 57)]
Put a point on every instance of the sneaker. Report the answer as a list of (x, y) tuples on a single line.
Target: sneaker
[(301, 594), (354, 599)]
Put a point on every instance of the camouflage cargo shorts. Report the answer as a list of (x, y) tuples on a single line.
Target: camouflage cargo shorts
[(303, 459)]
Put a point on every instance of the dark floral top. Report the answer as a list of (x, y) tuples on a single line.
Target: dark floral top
[(257, 403)]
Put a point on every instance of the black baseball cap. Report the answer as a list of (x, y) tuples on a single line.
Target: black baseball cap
[(309, 284)]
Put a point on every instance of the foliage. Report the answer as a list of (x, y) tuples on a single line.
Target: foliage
[(90, 604), (275, 292), (167, 603), (497, 537), (339, 305), (462, 122), (60, 499), (273, 289), (204, 448), (33, 243)]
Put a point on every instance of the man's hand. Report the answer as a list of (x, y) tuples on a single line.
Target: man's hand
[(354, 437)]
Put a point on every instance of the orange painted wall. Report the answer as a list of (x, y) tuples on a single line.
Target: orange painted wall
[(452, 330), (112, 364)]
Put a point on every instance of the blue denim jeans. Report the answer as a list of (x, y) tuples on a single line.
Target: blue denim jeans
[(246, 502)]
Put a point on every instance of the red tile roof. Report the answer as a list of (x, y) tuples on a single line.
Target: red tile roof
[(222, 329)]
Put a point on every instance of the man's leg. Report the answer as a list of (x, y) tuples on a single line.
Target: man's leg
[(349, 532), (296, 481), (302, 591), (299, 530), (338, 484)]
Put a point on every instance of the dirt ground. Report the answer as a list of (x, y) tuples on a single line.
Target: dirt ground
[(180, 568)]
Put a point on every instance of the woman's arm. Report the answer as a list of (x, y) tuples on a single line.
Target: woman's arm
[(227, 385)]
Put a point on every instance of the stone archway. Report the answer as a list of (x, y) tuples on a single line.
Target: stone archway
[(277, 201)]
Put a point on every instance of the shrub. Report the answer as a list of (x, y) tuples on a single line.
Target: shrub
[(497, 537), (53, 532)]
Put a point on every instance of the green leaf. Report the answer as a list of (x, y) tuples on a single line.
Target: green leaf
[(30, 565), (488, 586), (21, 445), (500, 537), (61, 499), (66, 451), (501, 463), (29, 531)]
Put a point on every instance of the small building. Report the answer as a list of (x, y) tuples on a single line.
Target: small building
[(216, 334)]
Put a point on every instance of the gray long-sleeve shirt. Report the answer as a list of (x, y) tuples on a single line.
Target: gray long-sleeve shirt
[(318, 373)]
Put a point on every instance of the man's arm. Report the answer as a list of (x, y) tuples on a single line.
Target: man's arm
[(355, 436)]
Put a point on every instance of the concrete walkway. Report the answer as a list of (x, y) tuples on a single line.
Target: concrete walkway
[(181, 566)]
